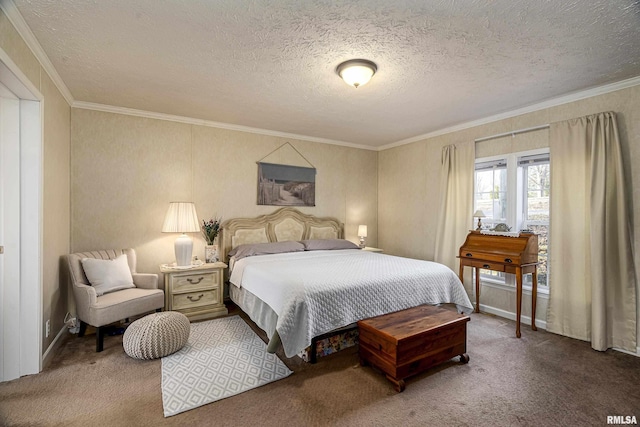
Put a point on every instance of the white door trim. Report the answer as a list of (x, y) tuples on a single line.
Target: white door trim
[(21, 323), (10, 235)]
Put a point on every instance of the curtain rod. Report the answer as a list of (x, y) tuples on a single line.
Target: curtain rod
[(512, 133)]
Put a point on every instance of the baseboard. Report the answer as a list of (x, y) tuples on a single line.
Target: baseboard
[(512, 316), (47, 357), (542, 324), (636, 354)]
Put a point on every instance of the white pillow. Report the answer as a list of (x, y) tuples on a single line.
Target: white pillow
[(108, 275)]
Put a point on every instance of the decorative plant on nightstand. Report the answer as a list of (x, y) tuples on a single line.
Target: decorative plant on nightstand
[(210, 230)]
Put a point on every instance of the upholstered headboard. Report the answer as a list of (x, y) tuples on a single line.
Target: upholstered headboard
[(281, 225)]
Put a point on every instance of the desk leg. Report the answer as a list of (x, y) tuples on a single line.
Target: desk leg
[(534, 298), (477, 290), (518, 299)]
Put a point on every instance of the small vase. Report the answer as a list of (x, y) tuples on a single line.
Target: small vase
[(211, 253)]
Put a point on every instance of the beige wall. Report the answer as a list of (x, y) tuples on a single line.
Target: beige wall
[(56, 164), (56, 205), (409, 178), (126, 170)]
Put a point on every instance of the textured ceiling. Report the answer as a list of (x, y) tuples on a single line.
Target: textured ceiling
[(271, 64)]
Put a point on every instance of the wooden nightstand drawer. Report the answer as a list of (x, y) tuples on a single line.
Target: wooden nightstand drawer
[(195, 299), (196, 292), (191, 282), (488, 265)]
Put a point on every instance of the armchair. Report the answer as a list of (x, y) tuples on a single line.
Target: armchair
[(99, 311)]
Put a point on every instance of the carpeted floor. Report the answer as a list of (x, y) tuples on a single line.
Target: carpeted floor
[(539, 380)]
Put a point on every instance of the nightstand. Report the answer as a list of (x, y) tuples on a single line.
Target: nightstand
[(195, 292), (370, 249)]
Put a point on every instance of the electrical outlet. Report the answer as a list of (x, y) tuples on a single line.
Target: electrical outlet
[(47, 328)]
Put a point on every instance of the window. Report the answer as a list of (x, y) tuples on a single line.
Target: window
[(514, 189), (491, 189)]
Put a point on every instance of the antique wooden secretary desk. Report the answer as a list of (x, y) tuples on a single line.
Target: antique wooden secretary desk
[(517, 255)]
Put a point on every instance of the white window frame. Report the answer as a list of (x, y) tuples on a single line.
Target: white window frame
[(515, 211)]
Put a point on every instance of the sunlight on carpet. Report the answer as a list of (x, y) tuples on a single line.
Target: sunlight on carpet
[(222, 358)]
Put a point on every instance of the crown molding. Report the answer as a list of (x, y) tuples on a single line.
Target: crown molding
[(201, 122), (16, 19), (553, 102)]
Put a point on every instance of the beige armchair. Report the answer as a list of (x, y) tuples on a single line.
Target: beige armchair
[(99, 311)]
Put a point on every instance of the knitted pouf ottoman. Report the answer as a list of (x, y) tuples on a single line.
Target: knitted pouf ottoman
[(156, 335)]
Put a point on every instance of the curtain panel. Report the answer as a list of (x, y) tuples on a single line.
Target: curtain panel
[(456, 201), (592, 275)]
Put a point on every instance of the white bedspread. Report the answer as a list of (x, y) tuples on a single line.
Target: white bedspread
[(315, 292)]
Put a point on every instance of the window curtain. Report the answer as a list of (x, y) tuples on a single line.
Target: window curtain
[(456, 201), (592, 277)]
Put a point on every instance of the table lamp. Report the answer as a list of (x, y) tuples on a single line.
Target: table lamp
[(182, 218), (362, 233), (479, 214)]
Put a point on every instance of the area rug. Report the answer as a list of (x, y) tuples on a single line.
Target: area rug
[(222, 358)]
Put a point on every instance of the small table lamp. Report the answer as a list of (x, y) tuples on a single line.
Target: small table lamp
[(362, 233), (479, 214), (182, 218)]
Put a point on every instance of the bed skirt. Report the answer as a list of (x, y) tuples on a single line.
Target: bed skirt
[(266, 319)]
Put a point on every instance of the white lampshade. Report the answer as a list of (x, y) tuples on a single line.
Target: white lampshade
[(356, 72), (479, 214), (182, 218)]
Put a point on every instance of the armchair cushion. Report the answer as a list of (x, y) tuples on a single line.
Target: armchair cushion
[(108, 275), (116, 306)]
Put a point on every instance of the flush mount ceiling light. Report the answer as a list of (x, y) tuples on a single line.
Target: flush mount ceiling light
[(357, 72)]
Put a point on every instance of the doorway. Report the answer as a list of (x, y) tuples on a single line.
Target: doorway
[(20, 223)]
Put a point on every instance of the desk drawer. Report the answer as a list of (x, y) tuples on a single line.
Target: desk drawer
[(191, 282), (484, 256), (487, 265), (195, 299)]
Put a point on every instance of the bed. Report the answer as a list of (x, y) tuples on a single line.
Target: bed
[(295, 294)]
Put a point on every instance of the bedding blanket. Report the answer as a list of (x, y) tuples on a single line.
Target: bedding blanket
[(316, 292)]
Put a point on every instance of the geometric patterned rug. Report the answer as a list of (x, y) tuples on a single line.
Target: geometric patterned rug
[(222, 358)]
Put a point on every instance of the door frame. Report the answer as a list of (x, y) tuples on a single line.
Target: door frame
[(21, 327)]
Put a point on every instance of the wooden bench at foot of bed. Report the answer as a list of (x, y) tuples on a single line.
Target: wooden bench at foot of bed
[(410, 341)]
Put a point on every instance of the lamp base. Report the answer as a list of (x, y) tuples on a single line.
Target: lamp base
[(183, 250), (362, 244)]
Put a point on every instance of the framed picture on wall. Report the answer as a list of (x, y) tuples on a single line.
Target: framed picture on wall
[(285, 185)]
